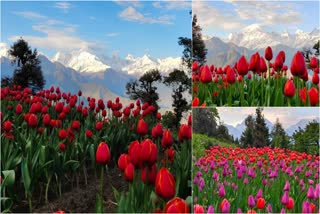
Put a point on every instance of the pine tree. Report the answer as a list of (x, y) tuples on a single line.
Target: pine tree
[(205, 121), (246, 138), (307, 140), (261, 131), (145, 88), (180, 83), (279, 137), (28, 72), (199, 50)]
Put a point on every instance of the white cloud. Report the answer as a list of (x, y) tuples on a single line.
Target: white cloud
[(131, 14), (64, 6), (173, 5), (29, 15), (112, 34), (128, 3), (211, 18), (59, 39)]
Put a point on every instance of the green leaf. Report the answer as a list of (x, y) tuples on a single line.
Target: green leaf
[(25, 176), (9, 177)]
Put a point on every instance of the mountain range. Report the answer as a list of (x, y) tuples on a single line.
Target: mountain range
[(100, 77), (236, 131), (222, 52)]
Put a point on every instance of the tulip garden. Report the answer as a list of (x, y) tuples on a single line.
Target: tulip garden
[(256, 180), (52, 140), (262, 81)]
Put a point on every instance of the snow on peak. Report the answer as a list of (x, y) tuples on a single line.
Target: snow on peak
[(140, 65), (82, 61), (254, 37)]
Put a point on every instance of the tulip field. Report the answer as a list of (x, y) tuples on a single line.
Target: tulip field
[(258, 82), (256, 180), (54, 143)]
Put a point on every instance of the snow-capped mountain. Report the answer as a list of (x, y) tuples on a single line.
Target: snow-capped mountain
[(139, 65), (254, 37), (236, 131), (81, 61)]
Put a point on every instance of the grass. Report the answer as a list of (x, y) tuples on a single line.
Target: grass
[(202, 142)]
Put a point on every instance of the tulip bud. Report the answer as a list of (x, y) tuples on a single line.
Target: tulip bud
[(165, 185), (103, 154)]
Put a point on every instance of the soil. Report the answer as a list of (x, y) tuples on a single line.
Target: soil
[(82, 199)]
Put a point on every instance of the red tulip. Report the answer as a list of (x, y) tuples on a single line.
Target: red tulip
[(99, 126), (303, 94), (152, 173), (176, 205), (158, 115), (7, 126), (278, 62), (242, 66), (134, 153), (314, 62), (142, 127), (59, 107), (76, 124), (149, 151), (261, 203), (205, 75), (198, 208), (298, 64), (129, 172), (170, 154), (231, 76), (88, 133), (184, 132), (19, 109), (315, 78), (165, 184), (313, 96), (190, 120), (33, 120), (63, 134), (167, 139), (290, 204), (195, 101), (289, 89), (268, 53), (157, 131), (254, 64), (194, 66), (123, 161), (62, 147), (103, 154), (263, 65)]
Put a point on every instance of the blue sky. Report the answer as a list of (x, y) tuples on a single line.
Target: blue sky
[(109, 28), (234, 116), (220, 18)]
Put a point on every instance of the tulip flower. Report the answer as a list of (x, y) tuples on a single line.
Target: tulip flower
[(242, 66), (195, 101), (289, 89), (149, 173), (103, 154), (261, 203), (195, 66), (129, 172), (286, 186), (134, 153), (167, 139), (251, 211), (313, 96), (7, 126), (285, 198), (123, 161), (149, 151), (157, 131), (254, 64), (225, 206), (251, 202), (62, 147), (19, 109), (198, 208), (165, 185), (176, 205), (315, 79), (290, 204), (33, 120), (222, 191), (268, 53), (63, 134), (210, 210), (99, 126), (231, 76), (298, 64), (278, 62), (310, 193), (314, 62), (205, 76), (142, 127)]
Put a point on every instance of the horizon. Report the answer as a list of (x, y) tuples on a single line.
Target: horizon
[(77, 25), (234, 116)]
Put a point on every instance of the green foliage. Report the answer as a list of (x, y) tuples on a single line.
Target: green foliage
[(279, 137), (144, 89), (202, 142), (168, 119), (307, 140), (180, 83), (205, 121), (199, 50), (187, 51), (246, 138), (28, 72)]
